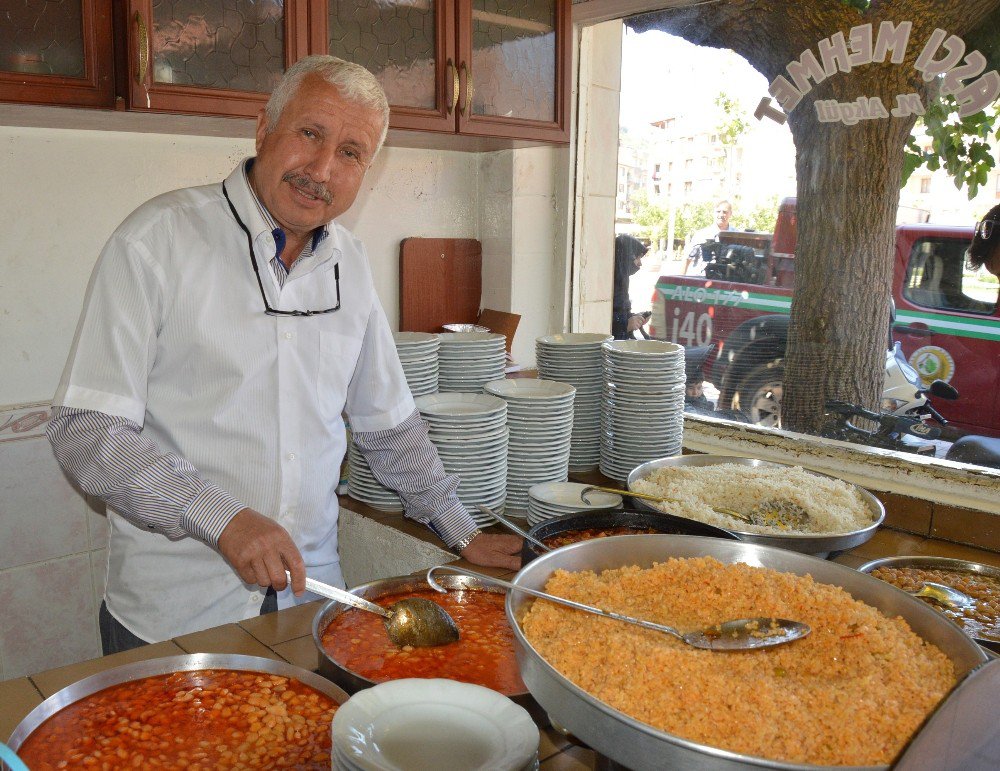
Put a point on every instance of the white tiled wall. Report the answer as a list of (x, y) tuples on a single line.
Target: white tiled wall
[(53, 546)]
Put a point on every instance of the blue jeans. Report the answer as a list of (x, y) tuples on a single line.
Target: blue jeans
[(115, 638)]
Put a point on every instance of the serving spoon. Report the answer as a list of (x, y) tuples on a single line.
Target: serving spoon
[(413, 621), (737, 635), (513, 528), (944, 595)]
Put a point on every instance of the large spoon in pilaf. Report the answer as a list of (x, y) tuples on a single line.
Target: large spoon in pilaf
[(741, 634)]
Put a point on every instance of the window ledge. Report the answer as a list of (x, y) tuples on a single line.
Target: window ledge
[(932, 479)]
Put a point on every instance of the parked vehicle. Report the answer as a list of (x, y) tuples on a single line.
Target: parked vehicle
[(947, 321)]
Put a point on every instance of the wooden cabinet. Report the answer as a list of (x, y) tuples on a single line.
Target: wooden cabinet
[(56, 52), (215, 57), (496, 68), (484, 68)]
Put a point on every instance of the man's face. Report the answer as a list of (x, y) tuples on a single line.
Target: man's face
[(722, 215), (310, 166)]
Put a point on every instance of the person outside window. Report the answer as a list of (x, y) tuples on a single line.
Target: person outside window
[(985, 248), (629, 252), (695, 262), (226, 331)]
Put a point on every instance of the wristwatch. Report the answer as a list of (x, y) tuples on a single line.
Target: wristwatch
[(458, 546)]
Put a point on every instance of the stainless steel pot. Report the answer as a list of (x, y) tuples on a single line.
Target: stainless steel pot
[(639, 746), (161, 666), (353, 682), (654, 520), (819, 545), (941, 563)]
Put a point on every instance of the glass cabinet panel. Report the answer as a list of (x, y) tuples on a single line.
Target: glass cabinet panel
[(514, 59), (226, 44), (394, 39), (42, 37)]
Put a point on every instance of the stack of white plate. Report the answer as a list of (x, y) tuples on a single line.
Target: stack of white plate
[(642, 412), (469, 360), (363, 486), (418, 353), (554, 499), (470, 433), (540, 421), (418, 724), (575, 358)]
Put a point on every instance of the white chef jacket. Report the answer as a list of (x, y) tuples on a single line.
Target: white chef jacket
[(174, 337)]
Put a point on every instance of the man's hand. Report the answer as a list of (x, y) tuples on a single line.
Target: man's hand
[(497, 551), (261, 551), (635, 322)]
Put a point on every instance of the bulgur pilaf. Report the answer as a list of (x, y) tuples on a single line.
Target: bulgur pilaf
[(850, 693), (833, 506)]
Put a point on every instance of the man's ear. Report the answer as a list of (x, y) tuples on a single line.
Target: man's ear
[(261, 128)]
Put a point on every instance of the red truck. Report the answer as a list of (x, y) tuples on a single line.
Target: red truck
[(947, 319)]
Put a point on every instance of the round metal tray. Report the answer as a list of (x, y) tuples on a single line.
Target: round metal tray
[(351, 681), (819, 545), (582, 520), (161, 666), (639, 746), (942, 563)]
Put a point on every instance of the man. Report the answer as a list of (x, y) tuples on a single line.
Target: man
[(215, 357), (985, 248), (695, 262)]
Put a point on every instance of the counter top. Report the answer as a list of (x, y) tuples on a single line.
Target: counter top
[(287, 636)]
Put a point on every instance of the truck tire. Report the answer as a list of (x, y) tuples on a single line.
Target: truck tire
[(759, 395)]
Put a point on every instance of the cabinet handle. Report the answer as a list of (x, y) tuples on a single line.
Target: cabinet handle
[(143, 46), (454, 86), (467, 108)]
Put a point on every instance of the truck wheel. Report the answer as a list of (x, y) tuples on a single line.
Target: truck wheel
[(759, 395)]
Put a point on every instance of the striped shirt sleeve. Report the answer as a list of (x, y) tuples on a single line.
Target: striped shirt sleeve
[(108, 457), (404, 459)]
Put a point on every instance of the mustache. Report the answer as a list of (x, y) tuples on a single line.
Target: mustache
[(303, 182)]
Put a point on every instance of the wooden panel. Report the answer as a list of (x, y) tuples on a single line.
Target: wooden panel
[(498, 321), (440, 282)]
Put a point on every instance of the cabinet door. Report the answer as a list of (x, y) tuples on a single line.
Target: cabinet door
[(217, 57), (514, 60), (409, 45), (56, 52)]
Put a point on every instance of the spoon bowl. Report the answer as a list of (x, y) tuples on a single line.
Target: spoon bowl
[(944, 595), (414, 621), (736, 635)]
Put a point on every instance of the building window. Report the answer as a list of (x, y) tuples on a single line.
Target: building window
[(925, 184), (656, 189), (688, 186)]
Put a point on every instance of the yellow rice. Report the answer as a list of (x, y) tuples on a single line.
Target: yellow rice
[(850, 693)]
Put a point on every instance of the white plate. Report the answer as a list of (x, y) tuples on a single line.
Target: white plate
[(572, 339), (427, 725), (458, 338), (568, 494), (530, 389), (460, 405)]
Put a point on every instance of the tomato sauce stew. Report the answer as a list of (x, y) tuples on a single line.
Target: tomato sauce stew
[(586, 534), (483, 655), (203, 719)]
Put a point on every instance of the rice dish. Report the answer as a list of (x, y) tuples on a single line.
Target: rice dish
[(833, 506), (852, 692)]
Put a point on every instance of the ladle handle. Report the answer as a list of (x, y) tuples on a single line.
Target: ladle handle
[(513, 528), (341, 595), (550, 597)]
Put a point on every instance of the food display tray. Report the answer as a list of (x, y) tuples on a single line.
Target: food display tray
[(807, 543), (642, 747), (162, 666)]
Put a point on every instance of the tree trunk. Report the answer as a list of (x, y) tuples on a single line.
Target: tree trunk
[(848, 179)]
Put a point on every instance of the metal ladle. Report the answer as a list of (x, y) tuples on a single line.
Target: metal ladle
[(513, 528), (413, 621), (736, 635), (659, 499), (944, 595)]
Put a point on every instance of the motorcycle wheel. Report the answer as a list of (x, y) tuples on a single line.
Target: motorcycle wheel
[(759, 395)]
